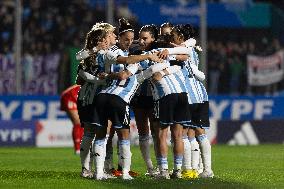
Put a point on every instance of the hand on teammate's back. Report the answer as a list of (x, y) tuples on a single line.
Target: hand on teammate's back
[(102, 75), (157, 76), (163, 54), (155, 58)]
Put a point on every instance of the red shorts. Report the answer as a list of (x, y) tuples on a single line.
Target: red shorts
[(68, 99)]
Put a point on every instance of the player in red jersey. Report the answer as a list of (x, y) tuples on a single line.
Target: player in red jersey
[(68, 103)]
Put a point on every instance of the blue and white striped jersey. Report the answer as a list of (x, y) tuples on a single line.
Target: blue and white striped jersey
[(122, 88), (194, 93), (196, 90), (126, 88), (111, 57), (204, 92), (170, 84), (195, 60), (145, 88)]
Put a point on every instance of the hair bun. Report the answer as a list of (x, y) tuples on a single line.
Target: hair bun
[(124, 26)]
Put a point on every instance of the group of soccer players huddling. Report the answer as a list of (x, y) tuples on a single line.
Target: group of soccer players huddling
[(158, 77)]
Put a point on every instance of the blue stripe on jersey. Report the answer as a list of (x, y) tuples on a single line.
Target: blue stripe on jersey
[(187, 81), (171, 84), (117, 67), (180, 78), (160, 91), (145, 89), (157, 90), (144, 64), (195, 57), (182, 82), (101, 62), (192, 97), (128, 88), (198, 83), (199, 93), (190, 73), (174, 86), (168, 82), (124, 90), (204, 92), (112, 86), (191, 84)]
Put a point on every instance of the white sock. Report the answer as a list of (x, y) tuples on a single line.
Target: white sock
[(194, 153), (85, 146), (100, 154), (200, 165), (205, 147), (177, 162), (125, 155), (162, 163), (144, 145), (107, 136), (187, 154), (109, 158)]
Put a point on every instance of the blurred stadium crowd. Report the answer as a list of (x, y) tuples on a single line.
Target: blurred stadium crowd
[(227, 70), (52, 26)]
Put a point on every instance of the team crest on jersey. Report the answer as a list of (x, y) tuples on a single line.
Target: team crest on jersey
[(114, 48)]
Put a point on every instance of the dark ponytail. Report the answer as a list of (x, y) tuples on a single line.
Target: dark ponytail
[(185, 30), (124, 26)]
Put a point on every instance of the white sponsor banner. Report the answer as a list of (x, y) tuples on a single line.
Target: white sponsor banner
[(134, 137), (265, 70), (54, 133), (58, 133)]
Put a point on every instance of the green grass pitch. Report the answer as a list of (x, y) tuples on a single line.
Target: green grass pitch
[(234, 167)]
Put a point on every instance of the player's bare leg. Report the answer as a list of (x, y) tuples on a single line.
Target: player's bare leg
[(142, 122)]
